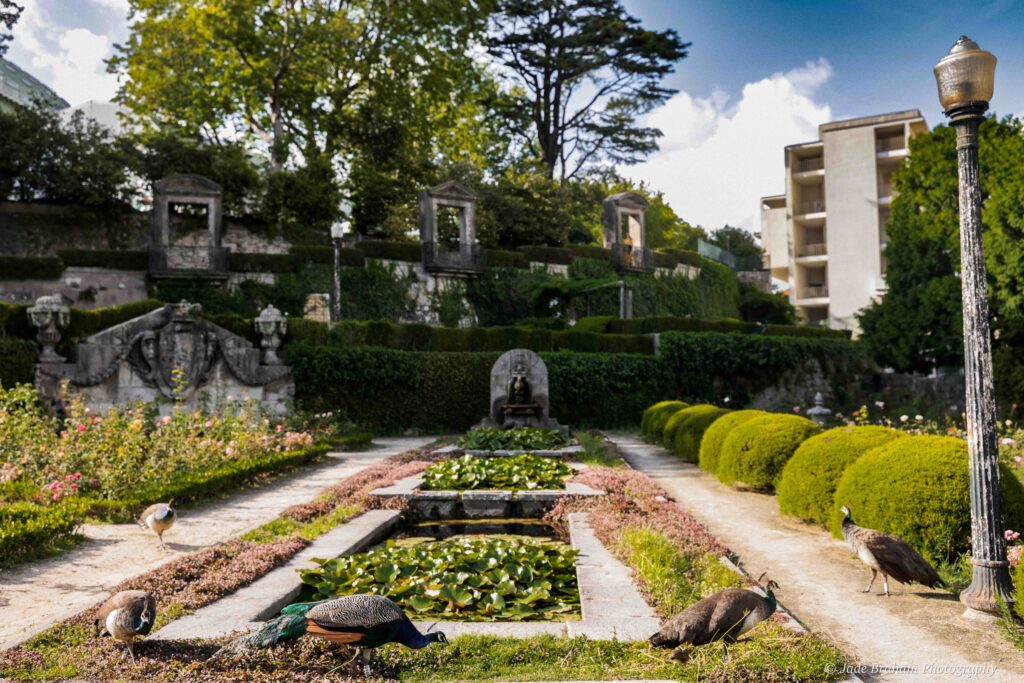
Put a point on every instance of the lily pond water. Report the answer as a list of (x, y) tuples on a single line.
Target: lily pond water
[(461, 570)]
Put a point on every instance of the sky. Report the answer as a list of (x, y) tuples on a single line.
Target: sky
[(761, 74)]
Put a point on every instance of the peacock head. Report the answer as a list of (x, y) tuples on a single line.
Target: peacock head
[(846, 513), (170, 504), (769, 587), (437, 637)]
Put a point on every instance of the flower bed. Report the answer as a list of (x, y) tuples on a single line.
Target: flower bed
[(517, 473), (465, 577), (516, 439)]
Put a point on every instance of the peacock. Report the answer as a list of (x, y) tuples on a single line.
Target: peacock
[(724, 616), (362, 621), (126, 616), (888, 554), (159, 517)]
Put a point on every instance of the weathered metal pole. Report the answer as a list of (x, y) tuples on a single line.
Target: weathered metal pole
[(991, 576), (966, 78), (336, 299)]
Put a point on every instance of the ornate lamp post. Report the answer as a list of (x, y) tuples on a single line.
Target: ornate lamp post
[(965, 78), (338, 231)]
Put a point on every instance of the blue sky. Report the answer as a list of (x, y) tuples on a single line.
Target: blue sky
[(761, 74)]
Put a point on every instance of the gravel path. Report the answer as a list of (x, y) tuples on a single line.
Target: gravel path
[(35, 595), (821, 581)]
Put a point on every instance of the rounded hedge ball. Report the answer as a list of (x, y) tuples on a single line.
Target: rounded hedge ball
[(918, 488), (656, 424), (755, 452), (675, 421), (690, 430), (645, 420), (808, 482), (715, 435)]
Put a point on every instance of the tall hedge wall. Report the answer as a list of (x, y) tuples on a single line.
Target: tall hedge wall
[(17, 361), (388, 389)]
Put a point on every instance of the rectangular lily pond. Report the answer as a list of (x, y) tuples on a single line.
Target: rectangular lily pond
[(461, 570), (474, 487)]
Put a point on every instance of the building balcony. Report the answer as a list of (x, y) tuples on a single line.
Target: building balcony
[(458, 258), (896, 143), (808, 165), (810, 250), (812, 292), (815, 206)]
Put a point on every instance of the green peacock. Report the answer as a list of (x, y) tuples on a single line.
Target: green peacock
[(362, 621)]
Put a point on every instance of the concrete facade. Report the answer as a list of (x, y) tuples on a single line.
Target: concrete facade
[(825, 235)]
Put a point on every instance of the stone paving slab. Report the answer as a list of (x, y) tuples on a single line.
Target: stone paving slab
[(265, 597), (35, 595)]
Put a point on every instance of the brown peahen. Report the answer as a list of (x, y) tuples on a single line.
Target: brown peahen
[(888, 554), (362, 621), (159, 517), (724, 616), (126, 616)]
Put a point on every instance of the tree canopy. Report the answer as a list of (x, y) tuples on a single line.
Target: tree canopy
[(918, 324), (10, 12), (584, 71)]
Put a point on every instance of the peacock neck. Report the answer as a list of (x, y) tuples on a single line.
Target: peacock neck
[(769, 599), (409, 636)]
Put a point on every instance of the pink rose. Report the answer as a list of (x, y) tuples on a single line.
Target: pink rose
[(1014, 553), (80, 428), (1011, 535), (280, 428), (209, 423), (796, 409)]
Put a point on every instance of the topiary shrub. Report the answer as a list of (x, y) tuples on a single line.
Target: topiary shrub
[(646, 422), (917, 488), (755, 452), (668, 434), (715, 435), (660, 418), (690, 430), (808, 482)]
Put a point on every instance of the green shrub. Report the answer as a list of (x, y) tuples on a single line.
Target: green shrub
[(652, 324), (645, 419), (591, 251), (30, 268), (690, 431), (499, 258), (659, 418), (665, 260), (542, 254), (26, 528), (315, 253), (594, 323), (88, 322), (808, 482), (674, 422), (17, 361), (394, 251), (690, 258), (715, 435), (917, 488), (755, 452), (115, 259)]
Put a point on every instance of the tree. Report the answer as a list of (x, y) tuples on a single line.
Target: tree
[(741, 244), (584, 70), (10, 12), (294, 74), (918, 324)]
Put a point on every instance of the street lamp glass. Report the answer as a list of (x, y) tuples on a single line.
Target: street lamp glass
[(966, 75), (338, 230)]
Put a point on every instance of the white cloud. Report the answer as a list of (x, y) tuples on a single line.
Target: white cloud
[(68, 59), (717, 160)]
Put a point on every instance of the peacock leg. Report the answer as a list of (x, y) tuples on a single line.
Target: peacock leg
[(885, 578), (131, 651), (874, 574), (353, 667), (367, 659), (725, 651), (160, 535)]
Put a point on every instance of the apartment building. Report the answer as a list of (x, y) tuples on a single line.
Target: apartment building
[(825, 235)]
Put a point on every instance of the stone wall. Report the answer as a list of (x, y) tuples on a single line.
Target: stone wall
[(84, 287)]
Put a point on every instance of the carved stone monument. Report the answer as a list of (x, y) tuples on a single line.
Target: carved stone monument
[(446, 247), (519, 392), (625, 231), (50, 315), (173, 356), (202, 256)]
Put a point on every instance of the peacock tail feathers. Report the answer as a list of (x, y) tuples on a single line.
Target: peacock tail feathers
[(299, 607), (278, 630)]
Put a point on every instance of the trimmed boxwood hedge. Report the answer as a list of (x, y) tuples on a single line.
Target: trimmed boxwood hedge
[(315, 253), (715, 435), (542, 254), (808, 482), (917, 488), (25, 527), (394, 251), (392, 391), (659, 417), (690, 258), (653, 324), (755, 452), (30, 267), (500, 258), (115, 259), (17, 361), (591, 251), (692, 423)]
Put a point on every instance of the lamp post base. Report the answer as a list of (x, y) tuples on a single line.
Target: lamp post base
[(973, 617), (990, 587)]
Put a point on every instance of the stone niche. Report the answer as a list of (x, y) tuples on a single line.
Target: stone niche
[(200, 254), (170, 356), (625, 231), (447, 222), (519, 392)]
